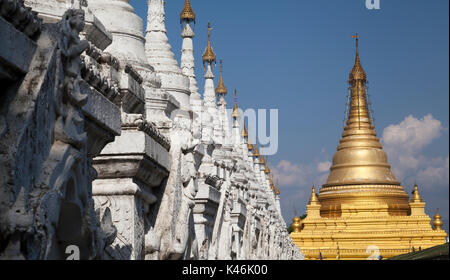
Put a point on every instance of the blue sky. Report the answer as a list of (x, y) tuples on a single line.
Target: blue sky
[(296, 56)]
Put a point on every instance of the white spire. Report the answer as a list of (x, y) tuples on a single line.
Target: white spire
[(158, 50), (187, 60), (224, 119), (236, 134), (160, 56), (209, 95)]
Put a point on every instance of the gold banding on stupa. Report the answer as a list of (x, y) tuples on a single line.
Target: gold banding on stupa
[(209, 56), (187, 14), (362, 205)]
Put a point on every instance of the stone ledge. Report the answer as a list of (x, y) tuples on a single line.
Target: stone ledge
[(121, 187), (101, 110), (94, 31), (16, 51), (136, 166), (22, 18)]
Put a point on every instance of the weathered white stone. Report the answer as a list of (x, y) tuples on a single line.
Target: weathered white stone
[(46, 199), (171, 179), (16, 50), (160, 55), (51, 11)]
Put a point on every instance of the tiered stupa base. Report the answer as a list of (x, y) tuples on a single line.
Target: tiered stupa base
[(356, 236)]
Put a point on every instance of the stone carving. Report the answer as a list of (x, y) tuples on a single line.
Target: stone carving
[(176, 220), (52, 206), (21, 17), (183, 230), (68, 128), (18, 222), (133, 73), (156, 16), (226, 232), (171, 186)]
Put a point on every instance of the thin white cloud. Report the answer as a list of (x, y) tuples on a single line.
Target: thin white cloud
[(290, 174), (303, 175), (436, 173), (324, 166)]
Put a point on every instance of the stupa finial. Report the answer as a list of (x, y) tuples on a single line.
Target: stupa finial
[(221, 89), (357, 72), (187, 14), (209, 56)]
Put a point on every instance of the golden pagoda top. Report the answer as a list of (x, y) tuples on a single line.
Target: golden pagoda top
[(357, 72), (187, 14), (267, 169), (272, 187), (360, 158), (313, 200), (236, 114), (209, 56), (277, 191), (360, 170), (221, 89), (415, 194), (256, 152), (261, 158), (249, 146), (244, 132)]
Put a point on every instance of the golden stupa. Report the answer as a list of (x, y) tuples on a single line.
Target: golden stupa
[(362, 211)]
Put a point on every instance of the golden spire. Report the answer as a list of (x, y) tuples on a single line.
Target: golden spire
[(272, 187), (236, 114), (437, 222), (313, 200), (296, 224), (277, 189), (244, 132), (209, 56), (267, 170), (256, 152), (249, 146), (358, 72), (360, 170), (359, 107), (187, 14), (261, 158), (415, 194), (221, 89)]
